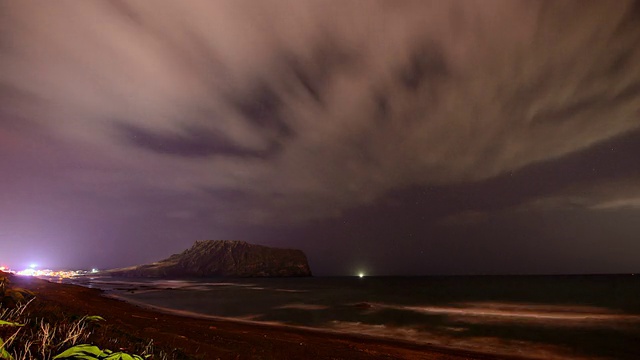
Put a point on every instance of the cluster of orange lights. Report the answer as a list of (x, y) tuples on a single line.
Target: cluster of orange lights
[(47, 272)]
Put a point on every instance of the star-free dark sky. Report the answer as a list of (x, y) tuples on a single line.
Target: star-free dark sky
[(390, 137)]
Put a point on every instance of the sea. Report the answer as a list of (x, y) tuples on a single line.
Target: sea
[(543, 317)]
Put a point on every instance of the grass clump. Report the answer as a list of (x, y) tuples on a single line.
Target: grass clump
[(27, 333), (38, 339), (26, 338)]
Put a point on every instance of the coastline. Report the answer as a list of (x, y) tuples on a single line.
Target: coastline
[(194, 336)]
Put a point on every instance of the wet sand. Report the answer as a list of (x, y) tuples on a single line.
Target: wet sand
[(200, 338)]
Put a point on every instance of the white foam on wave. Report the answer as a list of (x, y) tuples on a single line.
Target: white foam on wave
[(519, 312), (198, 288), (487, 345), (172, 284), (246, 319), (227, 284), (156, 285), (102, 283)]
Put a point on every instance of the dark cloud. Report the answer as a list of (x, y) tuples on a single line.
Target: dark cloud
[(314, 72), (194, 143), (427, 65), (262, 107), (603, 174)]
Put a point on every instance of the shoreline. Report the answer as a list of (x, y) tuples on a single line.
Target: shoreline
[(287, 327), (201, 336)]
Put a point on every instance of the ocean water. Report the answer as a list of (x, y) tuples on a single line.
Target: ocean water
[(546, 317)]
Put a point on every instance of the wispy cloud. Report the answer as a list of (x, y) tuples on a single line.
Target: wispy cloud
[(306, 108)]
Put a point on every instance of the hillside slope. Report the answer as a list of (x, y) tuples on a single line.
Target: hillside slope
[(225, 258)]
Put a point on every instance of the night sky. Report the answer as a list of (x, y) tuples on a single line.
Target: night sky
[(389, 137)]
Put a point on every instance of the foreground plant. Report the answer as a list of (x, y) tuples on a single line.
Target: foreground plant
[(4, 354), (33, 334), (9, 323), (11, 315), (91, 352), (22, 337)]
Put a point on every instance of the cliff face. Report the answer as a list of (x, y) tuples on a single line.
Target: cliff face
[(211, 258)]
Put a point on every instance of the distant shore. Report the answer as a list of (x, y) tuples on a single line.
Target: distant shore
[(187, 337)]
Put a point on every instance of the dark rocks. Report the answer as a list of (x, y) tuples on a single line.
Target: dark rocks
[(222, 258)]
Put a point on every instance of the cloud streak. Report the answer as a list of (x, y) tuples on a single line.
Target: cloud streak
[(303, 110)]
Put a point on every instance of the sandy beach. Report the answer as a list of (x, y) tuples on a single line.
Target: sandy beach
[(130, 327)]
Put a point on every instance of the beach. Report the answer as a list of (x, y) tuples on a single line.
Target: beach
[(131, 327)]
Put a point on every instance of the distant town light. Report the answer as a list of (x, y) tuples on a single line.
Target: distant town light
[(33, 266), (361, 275), (93, 271), (28, 272), (52, 273)]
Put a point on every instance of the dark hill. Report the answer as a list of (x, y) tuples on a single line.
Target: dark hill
[(211, 258)]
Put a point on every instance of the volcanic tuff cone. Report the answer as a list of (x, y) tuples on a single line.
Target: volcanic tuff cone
[(210, 258)]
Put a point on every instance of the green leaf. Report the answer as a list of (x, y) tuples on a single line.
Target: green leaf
[(81, 357), (91, 352), (125, 356), (82, 352), (119, 356), (7, 323), (4, 354)]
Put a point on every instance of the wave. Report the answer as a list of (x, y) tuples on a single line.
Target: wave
[(446, 339), (226, 284), (291, 290), (151, 285), (481, 344), (517, 312), (298, 306)]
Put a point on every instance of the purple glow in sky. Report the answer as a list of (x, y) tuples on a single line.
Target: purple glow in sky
[(390, 137)]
